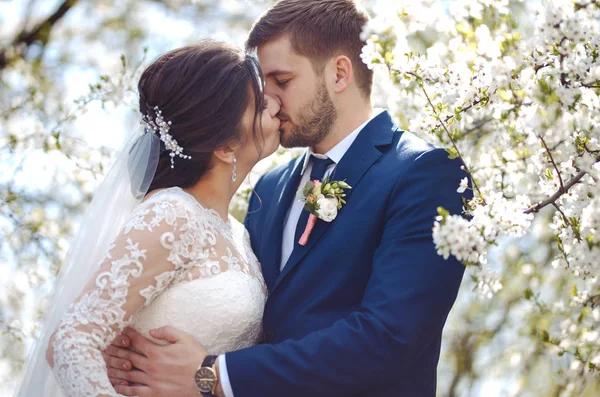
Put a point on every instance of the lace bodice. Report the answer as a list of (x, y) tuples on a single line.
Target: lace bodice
[(174, 263)]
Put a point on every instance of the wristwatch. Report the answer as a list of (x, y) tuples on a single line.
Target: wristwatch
[(206, 377)]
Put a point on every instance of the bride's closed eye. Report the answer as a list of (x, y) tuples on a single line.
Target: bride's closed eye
[(265, 104)]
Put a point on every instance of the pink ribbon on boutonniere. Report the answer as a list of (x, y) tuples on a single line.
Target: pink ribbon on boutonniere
[(310, 225)]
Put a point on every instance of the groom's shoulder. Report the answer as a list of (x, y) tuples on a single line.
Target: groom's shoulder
[(413, 158), (408, 148), (396, 145)]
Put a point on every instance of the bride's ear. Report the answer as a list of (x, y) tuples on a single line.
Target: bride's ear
[(225, 154)]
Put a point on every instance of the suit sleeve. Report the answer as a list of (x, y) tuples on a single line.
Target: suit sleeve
[(407, 300)]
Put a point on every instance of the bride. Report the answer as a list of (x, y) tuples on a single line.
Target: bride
[(157, 244)]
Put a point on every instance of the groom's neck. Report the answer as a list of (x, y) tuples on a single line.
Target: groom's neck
[(349, 118)]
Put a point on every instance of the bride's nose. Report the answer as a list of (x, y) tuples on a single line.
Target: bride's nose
[(272, 105)]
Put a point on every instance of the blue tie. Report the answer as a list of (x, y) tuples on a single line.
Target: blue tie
[(319, 167)]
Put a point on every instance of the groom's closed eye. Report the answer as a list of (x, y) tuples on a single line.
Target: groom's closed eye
[(280, 77)]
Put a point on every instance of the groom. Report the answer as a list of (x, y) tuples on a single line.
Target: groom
[(359, 310)]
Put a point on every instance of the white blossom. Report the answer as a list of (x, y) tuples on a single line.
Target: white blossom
[(464, 184), (488, 283)]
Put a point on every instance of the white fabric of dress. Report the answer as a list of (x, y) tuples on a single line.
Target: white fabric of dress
[(174, 263)]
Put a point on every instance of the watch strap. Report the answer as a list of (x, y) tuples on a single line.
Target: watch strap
[(209, 361)]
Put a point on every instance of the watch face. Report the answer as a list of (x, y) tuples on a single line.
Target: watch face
[(205, 380)]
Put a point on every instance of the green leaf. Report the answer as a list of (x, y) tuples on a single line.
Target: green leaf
[(590, 240), (452, 153), (308, 188), (444, 213), (56, 136), (573, 291)]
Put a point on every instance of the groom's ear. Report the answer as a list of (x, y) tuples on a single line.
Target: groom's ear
[(343, 73)]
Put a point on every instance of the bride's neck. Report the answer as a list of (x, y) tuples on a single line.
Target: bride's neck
[(215, 190)]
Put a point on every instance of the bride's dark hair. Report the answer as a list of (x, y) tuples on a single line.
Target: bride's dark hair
[(204, 91)]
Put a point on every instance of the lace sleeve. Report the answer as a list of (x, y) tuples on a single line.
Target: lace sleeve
[(144, 259)]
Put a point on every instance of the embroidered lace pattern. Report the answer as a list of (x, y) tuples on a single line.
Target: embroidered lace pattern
[(174, 263)]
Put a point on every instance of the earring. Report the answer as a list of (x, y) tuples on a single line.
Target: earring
[(233, 174)]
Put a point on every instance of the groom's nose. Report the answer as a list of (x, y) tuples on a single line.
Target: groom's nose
[(271, 90)]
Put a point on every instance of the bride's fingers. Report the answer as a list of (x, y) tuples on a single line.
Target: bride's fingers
[(106, 358), (141, 391), (122, 341), (117, 376), (117, 352), (138, 377), (113, 362), (119, 357), (116, 382), (118, 363)]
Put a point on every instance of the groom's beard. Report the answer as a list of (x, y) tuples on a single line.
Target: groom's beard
[(314, 121)]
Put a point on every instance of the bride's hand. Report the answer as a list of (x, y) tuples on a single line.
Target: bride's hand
[(160, 370)]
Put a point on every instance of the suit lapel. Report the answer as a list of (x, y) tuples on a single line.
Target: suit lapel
[(354, 164), (273, 230)]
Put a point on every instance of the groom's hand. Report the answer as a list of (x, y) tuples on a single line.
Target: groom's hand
[(161, 370)]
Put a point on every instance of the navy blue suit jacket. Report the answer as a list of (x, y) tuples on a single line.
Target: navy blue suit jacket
[(359, 310)]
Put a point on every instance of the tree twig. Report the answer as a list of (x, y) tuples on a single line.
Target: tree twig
[(562, 185), (559, 192), (579, 6), (563, 214), (477, 126), (467, 168), (40, 32)]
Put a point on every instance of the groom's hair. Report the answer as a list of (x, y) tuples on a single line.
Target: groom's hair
[(318, 30)]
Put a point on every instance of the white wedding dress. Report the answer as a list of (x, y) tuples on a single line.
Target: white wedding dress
[(174, 263)]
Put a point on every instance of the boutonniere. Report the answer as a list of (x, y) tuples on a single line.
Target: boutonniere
[(323, 200)]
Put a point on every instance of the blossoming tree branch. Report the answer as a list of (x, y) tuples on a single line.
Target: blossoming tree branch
[(512, 88)]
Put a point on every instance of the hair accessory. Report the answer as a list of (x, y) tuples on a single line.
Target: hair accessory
[(162, 127), (234, 174)]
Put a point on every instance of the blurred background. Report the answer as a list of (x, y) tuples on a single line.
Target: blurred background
[(68, 75)]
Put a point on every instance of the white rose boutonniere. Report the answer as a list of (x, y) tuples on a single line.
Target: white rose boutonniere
[(323, 200), (328, 208)]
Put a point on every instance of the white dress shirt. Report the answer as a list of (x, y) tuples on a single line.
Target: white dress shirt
[(293, 215)]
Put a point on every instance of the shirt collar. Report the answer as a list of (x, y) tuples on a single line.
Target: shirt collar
[(338, 151)]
